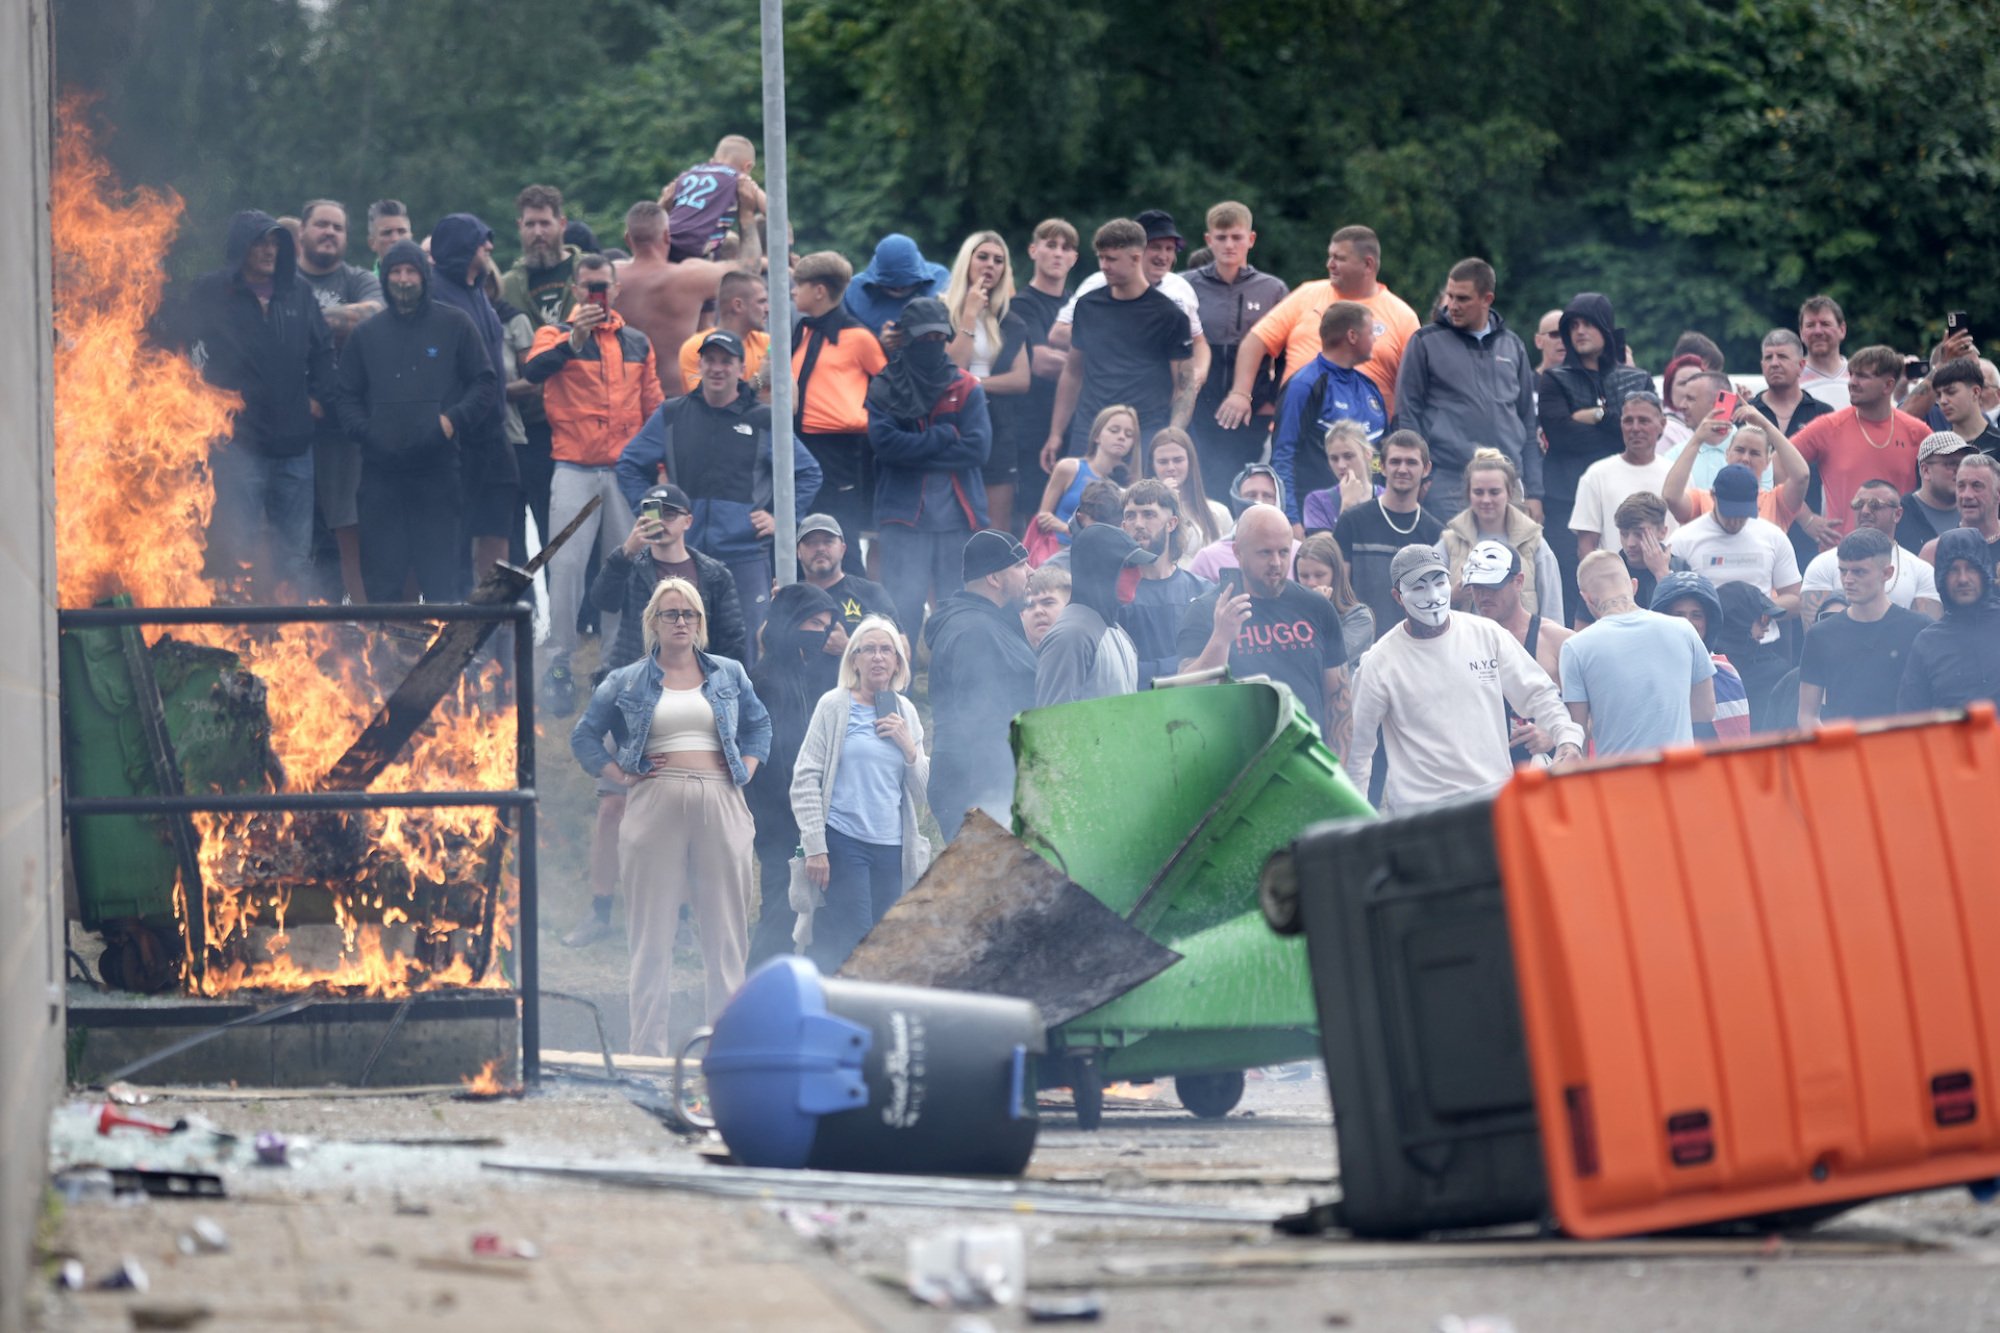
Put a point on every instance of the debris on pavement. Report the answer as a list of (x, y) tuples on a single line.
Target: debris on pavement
[(130, 1275), (272, 1148), (490, 1245), (188, 1314), (968, 1269), (1084, 1309), (1478, 1323), (204, 1237)]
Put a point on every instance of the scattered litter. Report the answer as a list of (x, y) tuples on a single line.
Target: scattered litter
[(489, 1245), (128, 1276), (411, 1207), (85, 1185), (971, 1324), (441, 1141), (167, 1184), (1084, 1309), (1477, 1323), (272, 1148), (204, 1237), (109, 1119), (126, 1095), (455, 1263), (69, 1277), (171, 1316), (968, 1269)]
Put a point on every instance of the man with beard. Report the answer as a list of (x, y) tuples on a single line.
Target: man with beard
[(1957, 660), (538, 285), (414, 381), (929, 428), (1822, 328), (1153, 618), (1931, 510), (982, 674), (258, 332), (1438, 686), (822, 551), (1087, 655), (1978, 491), (1259, 622), (715, 444), (803, 642), (346, 295)]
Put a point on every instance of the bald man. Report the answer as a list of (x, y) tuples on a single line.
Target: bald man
[(1259, 622), (1636, 679), (664, 300)]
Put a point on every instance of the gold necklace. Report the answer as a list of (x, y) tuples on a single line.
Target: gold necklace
[(1862, 425)]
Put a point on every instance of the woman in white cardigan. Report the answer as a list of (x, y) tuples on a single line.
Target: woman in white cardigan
[(857, 789)]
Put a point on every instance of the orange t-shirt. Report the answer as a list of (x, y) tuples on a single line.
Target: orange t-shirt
[(1292, 328), (756, 346), (1771, 506), (1850, 451), (836, 401)]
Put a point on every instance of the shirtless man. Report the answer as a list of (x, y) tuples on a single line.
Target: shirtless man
[(664, 300)]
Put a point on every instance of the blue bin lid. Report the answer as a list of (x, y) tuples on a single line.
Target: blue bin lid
[(778, 1061)]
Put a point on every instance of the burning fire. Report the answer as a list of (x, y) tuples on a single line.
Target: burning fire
[(484, 1083), (133, 425)]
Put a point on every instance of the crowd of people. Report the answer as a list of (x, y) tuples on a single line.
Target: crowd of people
[(1460, 550)]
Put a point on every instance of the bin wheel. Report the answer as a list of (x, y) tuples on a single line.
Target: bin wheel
[(1087, 1086), (1210, 1096), (136, 958), (1278, 894)]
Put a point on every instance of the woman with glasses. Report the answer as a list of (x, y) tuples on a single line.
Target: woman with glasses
[(857, 791), (690, 732)]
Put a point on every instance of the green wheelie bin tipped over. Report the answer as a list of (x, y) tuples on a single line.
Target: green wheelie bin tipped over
[(1164, 805)]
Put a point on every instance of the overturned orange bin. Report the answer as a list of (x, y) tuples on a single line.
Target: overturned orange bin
[(1761, 980)]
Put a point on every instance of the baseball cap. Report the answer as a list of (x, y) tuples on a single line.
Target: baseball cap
[(820, 523), (1491, 564), (924, 315), (1942, 442), (722, 340), (1736, 492), (672, 495), (989, 552), (1159, 224), (1417, 559)]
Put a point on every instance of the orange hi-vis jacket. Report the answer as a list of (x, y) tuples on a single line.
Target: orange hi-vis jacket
[(598, 398)]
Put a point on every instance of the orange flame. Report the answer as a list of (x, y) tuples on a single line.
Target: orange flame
[(133, 429), (484, 1083)]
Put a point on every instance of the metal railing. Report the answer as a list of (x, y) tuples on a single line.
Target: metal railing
[(521, 798)]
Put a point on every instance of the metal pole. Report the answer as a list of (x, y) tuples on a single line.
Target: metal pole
[(526, 860), (778, 251)]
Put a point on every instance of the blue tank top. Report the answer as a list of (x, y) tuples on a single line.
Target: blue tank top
[(1066, 502)]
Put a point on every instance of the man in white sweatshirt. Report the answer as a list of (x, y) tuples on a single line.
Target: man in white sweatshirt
[(1438, 686)]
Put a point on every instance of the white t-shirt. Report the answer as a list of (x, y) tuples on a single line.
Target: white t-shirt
[(1829, 389), (1759, 553), (1608, 483), (1909, 578), (1173, 286), (1438, 703)]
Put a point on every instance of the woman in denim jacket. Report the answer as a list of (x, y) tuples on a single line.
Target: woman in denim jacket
[(690, 732)]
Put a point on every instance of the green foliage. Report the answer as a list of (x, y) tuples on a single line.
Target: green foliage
[(1705, 164)]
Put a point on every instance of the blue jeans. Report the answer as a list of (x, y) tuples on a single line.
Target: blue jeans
[(263, 516), (865, 881)]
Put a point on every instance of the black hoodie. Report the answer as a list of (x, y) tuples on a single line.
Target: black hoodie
[(1956, 660), (1071, 663), (277, 356), (792, 673), (399, 373), (1572, 387)]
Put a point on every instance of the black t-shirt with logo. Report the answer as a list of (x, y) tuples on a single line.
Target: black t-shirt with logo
[(1859, 663), (856, 598), (1294, 638)]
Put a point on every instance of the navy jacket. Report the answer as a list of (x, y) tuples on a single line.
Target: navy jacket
[(278, 357)]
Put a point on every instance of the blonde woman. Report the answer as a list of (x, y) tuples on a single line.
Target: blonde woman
[(690, 732), (990, 342), (858, 789)]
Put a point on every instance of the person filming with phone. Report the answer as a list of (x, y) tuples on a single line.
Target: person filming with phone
[(600, 382), (858, 791)]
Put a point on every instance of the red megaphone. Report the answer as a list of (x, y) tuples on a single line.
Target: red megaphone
[(109, 1119)]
